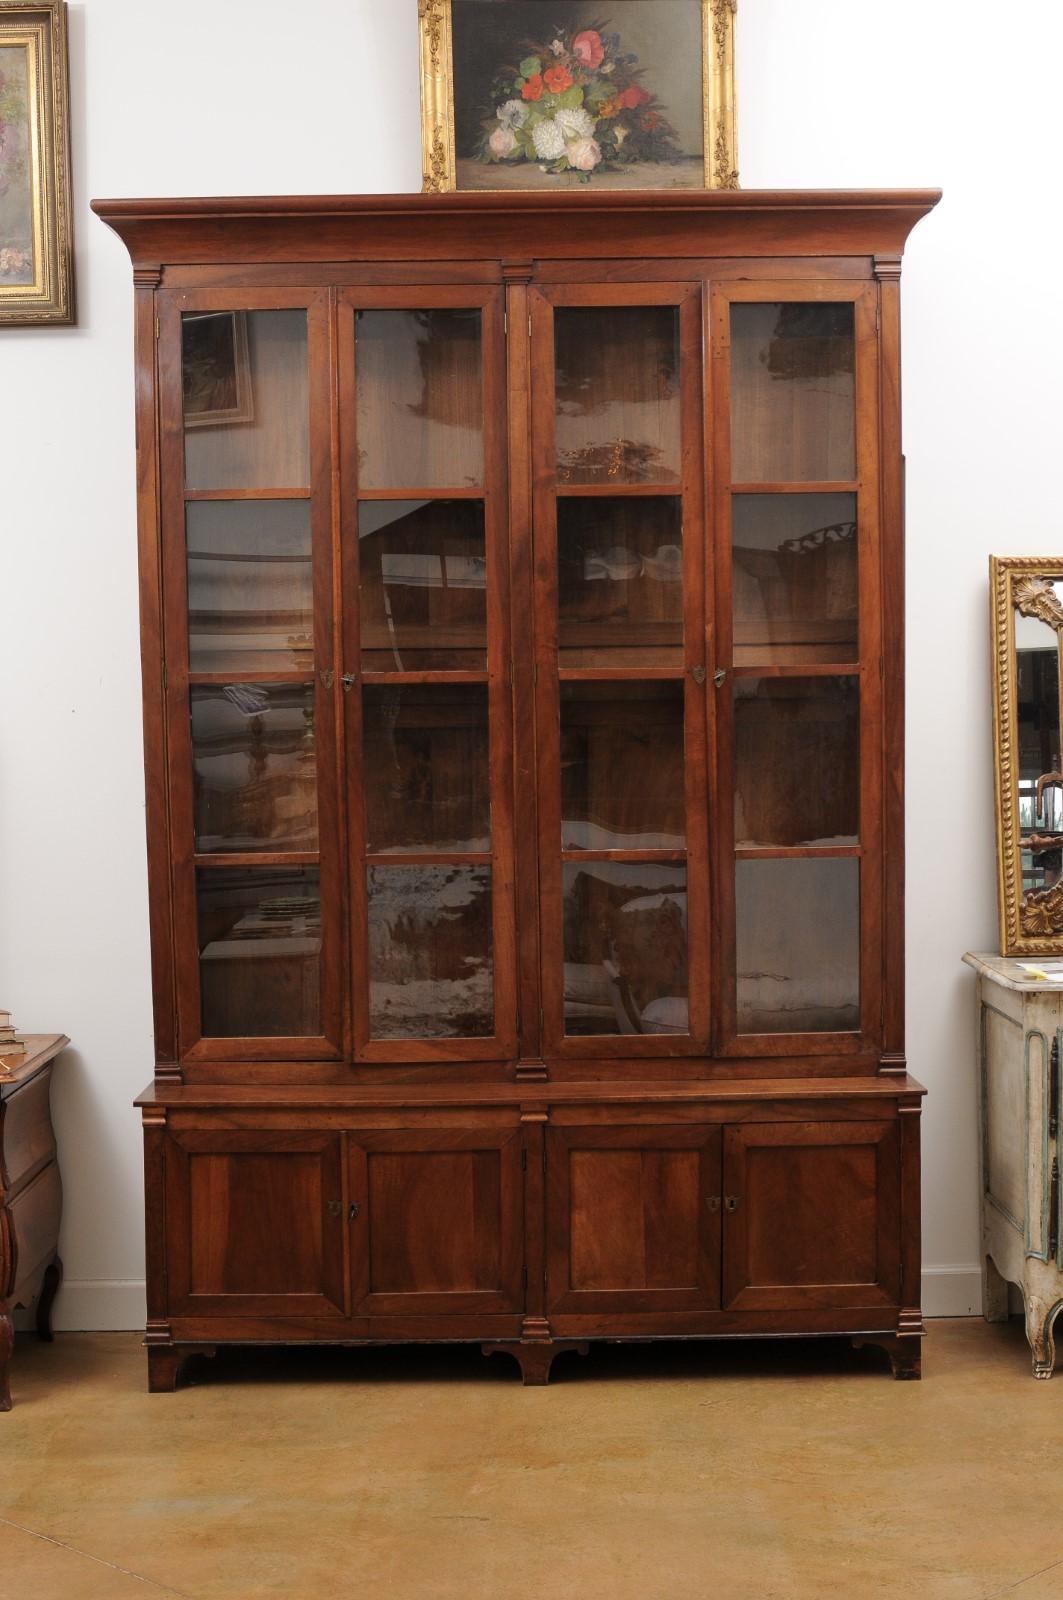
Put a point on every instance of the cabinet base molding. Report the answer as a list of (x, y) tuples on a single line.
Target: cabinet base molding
[(904, 1351), (166, 1360)]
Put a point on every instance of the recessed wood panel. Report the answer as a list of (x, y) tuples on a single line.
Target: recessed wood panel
[(815, 1220), (438, 1221), (255, 1223), (633, 1218)]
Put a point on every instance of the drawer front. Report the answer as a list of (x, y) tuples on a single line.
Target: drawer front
[(633, 1219), (255, 1223), (439, 1222), (813, 1216)]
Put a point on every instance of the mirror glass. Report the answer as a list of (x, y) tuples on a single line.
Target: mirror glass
[(1038, 619)]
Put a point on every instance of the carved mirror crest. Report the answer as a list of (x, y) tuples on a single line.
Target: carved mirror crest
[(1027, 595)]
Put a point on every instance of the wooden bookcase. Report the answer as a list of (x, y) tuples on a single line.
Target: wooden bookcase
[(522, 607)]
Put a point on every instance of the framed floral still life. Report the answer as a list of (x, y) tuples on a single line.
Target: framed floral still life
[(36, 250), (556, 94)]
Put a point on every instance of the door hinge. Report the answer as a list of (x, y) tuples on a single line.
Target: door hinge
[(524, 1278), (1053, 1088), (524, 1161), (1053, 1211), (157, 328), (505, 322), (529, 325)]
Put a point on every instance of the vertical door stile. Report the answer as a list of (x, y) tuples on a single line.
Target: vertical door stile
[(522, 647)]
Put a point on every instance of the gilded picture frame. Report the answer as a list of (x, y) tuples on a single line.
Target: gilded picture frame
[(658, 132), (36, 245), (1027, 636)]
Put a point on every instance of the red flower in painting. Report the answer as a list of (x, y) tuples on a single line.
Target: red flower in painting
[(650, 122), (533, 88), (557, 79), (632, 97), (588, 49)]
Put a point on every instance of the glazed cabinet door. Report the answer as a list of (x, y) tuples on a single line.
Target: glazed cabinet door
[(249, 741), (621, 668), (798, 825), (254, 1224), (811, 1216), (633, 1219), (437, 1221), (426, 673)]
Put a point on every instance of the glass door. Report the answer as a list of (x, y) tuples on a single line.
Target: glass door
[(621, 668), (426, 673), (248, 645), (796, 497)]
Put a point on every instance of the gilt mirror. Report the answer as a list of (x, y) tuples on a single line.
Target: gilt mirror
[(1027, 602)]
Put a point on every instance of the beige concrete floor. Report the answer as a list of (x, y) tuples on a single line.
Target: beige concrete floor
[(779, 1471)]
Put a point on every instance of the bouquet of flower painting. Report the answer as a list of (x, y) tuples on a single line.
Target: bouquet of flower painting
[(576, 103)]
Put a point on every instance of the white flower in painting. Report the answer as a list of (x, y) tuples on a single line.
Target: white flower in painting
[(549, 140), (502, 142), (584, 154), (558, 48), (575, 124), (514, 114)]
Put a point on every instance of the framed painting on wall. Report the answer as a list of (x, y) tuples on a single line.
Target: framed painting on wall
[(36, 249), (556, 94)]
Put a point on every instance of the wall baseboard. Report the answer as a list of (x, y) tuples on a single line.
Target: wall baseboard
[(952, 1291), (102, 1307)]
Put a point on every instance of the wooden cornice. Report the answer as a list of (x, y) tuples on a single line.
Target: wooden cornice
[(532, 226)]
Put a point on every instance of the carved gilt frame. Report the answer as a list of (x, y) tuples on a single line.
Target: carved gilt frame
[(1037, 928), (437, 95), (49, 298)]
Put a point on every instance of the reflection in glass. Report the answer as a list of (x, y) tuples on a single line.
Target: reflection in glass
[(250, 585), (260, 952), (620, 581), (622, 766), (795, 578), (254, 767), (420, 399), (792, 393), (798, 931), (625, 942), (1039, 604), (426, 775), (423, 584), (247, 419), (797, 761), (430, 943), (617, 394)]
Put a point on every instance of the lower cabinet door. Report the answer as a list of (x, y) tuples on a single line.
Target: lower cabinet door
[(254, 1223), (633, 1219), (437, 1221), (811, 1216)]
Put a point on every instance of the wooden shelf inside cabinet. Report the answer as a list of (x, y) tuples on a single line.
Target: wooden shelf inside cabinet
[(522, 627)]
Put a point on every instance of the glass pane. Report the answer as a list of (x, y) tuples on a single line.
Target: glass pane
[(625, 934), (247, 418), (260, 952), (1040, 798), (250, 585), (620, 581), (420, 399), (430, 964), (426, 773), (254, 767), (622, 766), (798, 928), (795, 578), (617, 379), (423, 581), (792, 393), (797, 761)]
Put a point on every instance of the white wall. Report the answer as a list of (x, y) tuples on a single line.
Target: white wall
[(239, 97)]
